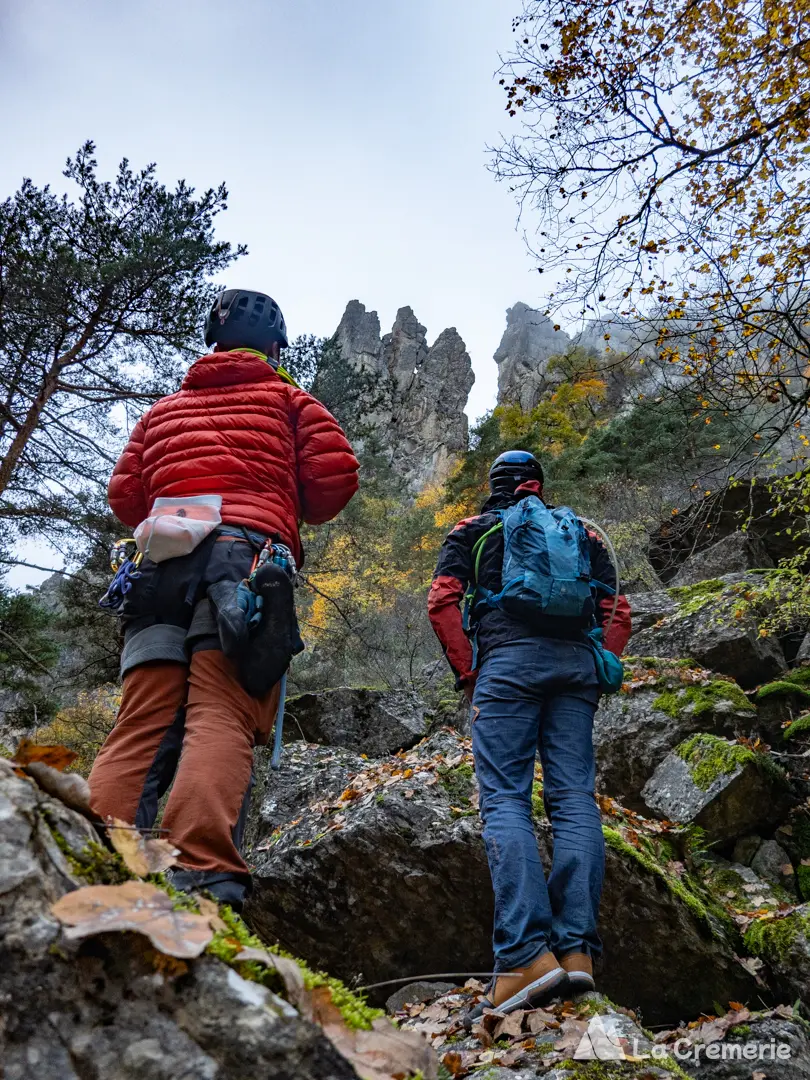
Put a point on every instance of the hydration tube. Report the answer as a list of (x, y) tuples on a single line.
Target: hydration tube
[(614, 560), (275, 760)]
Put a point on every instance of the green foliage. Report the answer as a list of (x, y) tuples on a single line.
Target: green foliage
[(103, 295), (27, 655), (84, 726), (651, 437), (691, 598)]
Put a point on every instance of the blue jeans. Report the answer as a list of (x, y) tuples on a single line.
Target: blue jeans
[(539, 693)]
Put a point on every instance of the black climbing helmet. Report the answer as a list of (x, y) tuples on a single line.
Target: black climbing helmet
[(513, 468), (243, 319)]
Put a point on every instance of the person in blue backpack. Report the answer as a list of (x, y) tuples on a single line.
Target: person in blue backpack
[(533, 581)]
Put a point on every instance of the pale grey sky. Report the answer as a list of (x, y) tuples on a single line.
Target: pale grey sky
[(351, 136)]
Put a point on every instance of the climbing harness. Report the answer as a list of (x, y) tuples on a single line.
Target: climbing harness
[(125, 563)]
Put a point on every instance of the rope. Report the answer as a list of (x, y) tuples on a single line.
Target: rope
[(615, 561), (444, 975)]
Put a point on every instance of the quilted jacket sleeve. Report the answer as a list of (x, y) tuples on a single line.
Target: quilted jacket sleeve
[(453, 573), (327, 467), (126, 494)]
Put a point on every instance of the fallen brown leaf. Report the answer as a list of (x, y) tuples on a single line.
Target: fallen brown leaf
[(480, 1032), (511, 1026), (57, 757), (379, 1054), (136, 906), (72, 789), (210, 909), (535, 1023), (142, 855), (572, 1032), (452, 1061)]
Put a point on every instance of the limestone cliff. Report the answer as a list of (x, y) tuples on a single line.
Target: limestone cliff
[(419, 413), (530, 340)]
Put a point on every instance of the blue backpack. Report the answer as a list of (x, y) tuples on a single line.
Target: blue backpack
[(546, 564), (546, 572)]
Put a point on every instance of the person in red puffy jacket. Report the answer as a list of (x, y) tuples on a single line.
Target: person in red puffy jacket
[(238, 428)]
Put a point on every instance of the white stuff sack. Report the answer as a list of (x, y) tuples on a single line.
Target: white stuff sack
[(177, 526)]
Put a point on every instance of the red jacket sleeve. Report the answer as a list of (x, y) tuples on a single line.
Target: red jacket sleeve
[(126, 493), (619, 634), (453, 572), (327, 467)]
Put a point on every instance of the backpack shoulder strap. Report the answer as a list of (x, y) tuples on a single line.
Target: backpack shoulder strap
[(475, 592)]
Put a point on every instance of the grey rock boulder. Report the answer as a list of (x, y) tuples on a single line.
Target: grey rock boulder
[(649, 608), (772, 863), (280, 795), (397, 863), (746, 848), (734, 554), (720, 786), (373, 722), (775, 1046), (416, 992), (662, 702), (784, 944), (707, 628), (99, 1008), (803, 655)]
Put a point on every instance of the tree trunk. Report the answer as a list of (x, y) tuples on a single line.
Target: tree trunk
[(15, 451), (48, 388)]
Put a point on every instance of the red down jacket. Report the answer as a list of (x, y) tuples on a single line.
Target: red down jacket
[(236, 429)]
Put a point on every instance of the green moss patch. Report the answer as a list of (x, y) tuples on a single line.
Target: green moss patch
[(94, 864), (457, 782), (227, 944), (691, 598), (703, 699), (710, 757), (794, 683), (538, 806), (803, 881), (797, 727), (699, 907), (772, 938)]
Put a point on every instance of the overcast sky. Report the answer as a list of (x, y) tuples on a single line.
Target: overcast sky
[(352, 137)]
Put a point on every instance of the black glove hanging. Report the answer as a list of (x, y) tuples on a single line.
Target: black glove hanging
[(258, 627)]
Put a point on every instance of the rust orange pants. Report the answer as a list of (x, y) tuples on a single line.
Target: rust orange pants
[(222, 725)]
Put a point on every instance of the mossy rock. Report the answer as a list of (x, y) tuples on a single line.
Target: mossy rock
[(664, 702), (785, 945), (725, 787), (716, 625)]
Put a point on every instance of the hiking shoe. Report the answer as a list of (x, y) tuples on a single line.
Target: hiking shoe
[(579, 969), (523, 988)]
